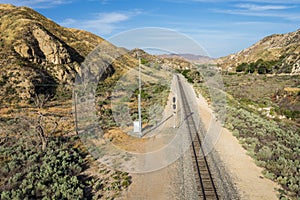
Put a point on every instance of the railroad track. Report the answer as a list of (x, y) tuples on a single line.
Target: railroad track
[(206, 187)]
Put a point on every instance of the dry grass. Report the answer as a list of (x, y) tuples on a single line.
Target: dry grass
[(292, 90), (125, 141)]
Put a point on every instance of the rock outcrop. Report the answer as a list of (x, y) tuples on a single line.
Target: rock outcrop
[(284, 48), (41, 47), (36, 52)]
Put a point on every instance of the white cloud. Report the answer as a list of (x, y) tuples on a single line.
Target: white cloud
[(102, 24), (112, 18), (103, 2), (258, 10), (234, 1), (36, 3), (288, 16), (272, 1), (255, 7)]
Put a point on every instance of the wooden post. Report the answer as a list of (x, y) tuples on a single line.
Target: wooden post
[(75, 110)]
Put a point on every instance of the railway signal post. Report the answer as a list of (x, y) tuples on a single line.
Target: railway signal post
[(174, 111)]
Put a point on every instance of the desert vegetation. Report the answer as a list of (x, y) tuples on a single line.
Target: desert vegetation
[(271, 141), (278, 94), (273, 144), (43, 158), (41, 154)]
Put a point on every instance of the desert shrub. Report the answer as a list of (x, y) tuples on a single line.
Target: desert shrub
[(275, 146), (231, 73), (3, 80), (33, 174), (291, 114), (241, 67), (264, 154), (144, 61), (260, 66)]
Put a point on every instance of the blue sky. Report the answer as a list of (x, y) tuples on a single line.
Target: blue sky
[(221, 27)]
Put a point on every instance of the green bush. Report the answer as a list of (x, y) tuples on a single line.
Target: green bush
[(275, 146), (261, 66), (53, 174), (144, 61), (264, 154), (242, 67)]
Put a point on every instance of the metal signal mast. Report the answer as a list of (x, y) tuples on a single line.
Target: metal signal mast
[(138, 124), (139, 99)]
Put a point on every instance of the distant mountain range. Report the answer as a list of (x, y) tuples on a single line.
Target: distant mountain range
[(281, 52), (36, 54), (199, 59)]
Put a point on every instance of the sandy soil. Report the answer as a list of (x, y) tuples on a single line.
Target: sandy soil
[(175, 181), (246, 175)]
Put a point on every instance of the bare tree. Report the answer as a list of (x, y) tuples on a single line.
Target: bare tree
[(3, 140), (40, 99), (41, 130)]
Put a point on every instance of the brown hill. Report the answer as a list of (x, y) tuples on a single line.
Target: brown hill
[(280, 51), (36, 53), (198, 59), (164, 61), (38, 56)]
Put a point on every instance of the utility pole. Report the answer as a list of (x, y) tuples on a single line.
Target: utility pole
[(137, 125), (75, 110), (139, 100)]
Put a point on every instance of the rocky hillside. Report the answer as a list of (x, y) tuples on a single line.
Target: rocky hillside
[(198, 59), (164, 61), (37, 54), (280, 53)]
